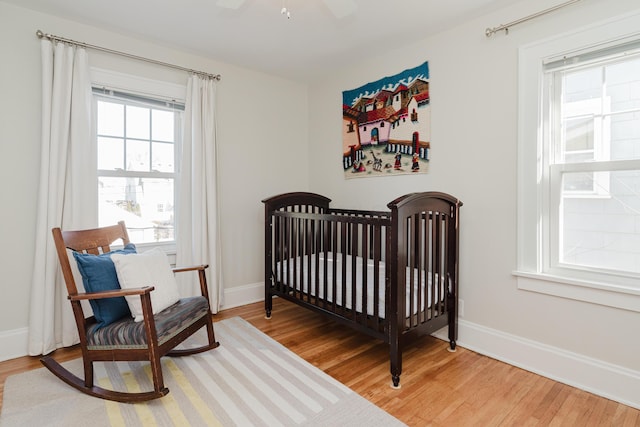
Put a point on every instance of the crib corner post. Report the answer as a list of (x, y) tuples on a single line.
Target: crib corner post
[(396, 363), (268, 254), (452, 309), (268, 302)]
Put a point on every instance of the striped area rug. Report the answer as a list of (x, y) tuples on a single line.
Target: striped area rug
[(250, 380)]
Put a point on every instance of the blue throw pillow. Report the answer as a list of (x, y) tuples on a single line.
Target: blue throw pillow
[(99, 274)]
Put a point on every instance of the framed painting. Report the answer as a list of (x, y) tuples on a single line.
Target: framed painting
[(386, 125)]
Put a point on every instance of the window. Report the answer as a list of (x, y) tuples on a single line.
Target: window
[(593, 145), (579, 166), (138, 139)]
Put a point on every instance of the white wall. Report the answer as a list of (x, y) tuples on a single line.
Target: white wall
[(260, 150), (474, 101)]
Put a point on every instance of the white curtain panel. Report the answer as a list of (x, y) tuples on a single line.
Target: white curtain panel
[(66, 196), (198, 231)]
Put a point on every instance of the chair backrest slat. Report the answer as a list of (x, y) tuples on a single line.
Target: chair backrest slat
[(93, 241)]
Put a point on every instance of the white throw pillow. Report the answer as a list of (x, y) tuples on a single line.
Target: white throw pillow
[(77, 277), (149, 268)]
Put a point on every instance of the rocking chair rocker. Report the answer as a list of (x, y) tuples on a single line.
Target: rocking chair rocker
[(126, 340)]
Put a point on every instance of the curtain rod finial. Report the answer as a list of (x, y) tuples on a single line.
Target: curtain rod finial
[(40, 34)]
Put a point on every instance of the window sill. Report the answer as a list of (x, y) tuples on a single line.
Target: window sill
[(596, 293)]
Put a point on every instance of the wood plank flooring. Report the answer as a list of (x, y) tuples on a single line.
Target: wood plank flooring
[(438, 387)]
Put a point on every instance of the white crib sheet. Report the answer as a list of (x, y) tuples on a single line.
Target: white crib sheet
[(302, 276)]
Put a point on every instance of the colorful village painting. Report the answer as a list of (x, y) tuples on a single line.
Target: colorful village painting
[(387, 125)]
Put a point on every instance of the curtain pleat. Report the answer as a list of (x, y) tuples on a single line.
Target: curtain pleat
[(66, 195), (198, 240)]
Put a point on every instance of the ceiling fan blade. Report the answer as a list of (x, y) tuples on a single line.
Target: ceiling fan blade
[(230, 4), (341, 8)]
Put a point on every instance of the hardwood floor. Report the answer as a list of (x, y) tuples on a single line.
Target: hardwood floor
[(438, 387)]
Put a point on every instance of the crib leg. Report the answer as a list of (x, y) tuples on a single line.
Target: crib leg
[(268, 304), (452, 346), (453, 320), (396, 364), (396, 381)]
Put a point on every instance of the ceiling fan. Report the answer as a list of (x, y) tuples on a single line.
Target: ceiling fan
[(339, 8)]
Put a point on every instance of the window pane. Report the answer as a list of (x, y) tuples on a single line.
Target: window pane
[(145, 204), (625, 136), (578, 157), (604, 232), (110, 119), (163, 157), (578, 182), (623, 85), (138, 122), (162, 125), (578, 137), (582, 85), (138, 155), (110, 153)]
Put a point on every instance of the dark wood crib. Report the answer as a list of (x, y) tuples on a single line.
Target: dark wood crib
[(390, 274)]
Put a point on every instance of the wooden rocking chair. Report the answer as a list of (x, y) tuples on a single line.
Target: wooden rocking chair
[(156, 336)]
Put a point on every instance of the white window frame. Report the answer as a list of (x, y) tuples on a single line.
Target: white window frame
[(147, 88), (535, 270)]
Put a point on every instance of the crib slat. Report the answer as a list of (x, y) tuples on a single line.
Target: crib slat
[(325, 265), (364, 256), (353, 235), (334, 272), (317, 233), (377, 257), (344, 248), (288, 255), (423, 294), (307, 257), (294, 255), (435, 265), (446, 273), (414, 282), (428, 271)]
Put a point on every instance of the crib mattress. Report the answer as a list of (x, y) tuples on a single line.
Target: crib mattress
[(302, 271)]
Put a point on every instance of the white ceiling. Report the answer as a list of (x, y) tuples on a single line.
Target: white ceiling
[(313, 42)]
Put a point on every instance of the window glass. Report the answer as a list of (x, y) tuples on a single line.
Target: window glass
[(603, 232), (138, 122), (136, 145), (162, 157), (110, 119), (110, 153), (593, 130), (163, 127)]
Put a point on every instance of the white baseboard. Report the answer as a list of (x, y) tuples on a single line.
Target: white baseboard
[(13, 343), (595, 376), (243, 295)]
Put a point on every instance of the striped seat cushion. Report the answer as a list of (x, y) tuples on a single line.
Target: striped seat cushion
[(127, 334)]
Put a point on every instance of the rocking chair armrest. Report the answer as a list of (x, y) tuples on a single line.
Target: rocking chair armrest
[(111, 293), (190, 268)]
